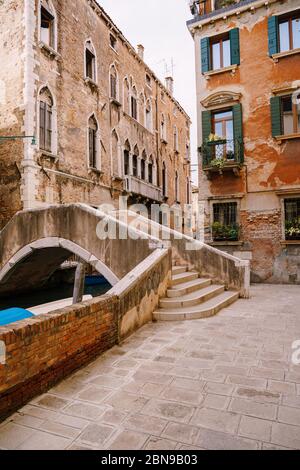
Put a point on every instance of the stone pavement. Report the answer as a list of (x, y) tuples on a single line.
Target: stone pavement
[(226, 382)]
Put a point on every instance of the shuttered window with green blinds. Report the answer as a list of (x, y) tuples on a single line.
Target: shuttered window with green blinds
[(205, 55), (206, 131), (238, 129), (234, 36), (273, 35), (275, 103)]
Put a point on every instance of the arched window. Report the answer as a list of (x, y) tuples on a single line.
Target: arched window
[(90, 62), (176, 187), (115, 154), (149, 115), (126, 100), (163, 128), (134, 103), (164, 180), (150, 171), (127, 150), (143, 166), (142, 109), (175, 139), (47, 121), (93, 144), (114, 83), (48, 24), (135, 162)]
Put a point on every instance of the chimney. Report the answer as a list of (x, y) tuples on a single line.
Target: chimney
[(170, 84), (140, 51)]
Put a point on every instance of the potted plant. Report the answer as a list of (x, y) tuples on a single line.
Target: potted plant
[(292, 229), (214, 139), (224, 3), (222, 232)]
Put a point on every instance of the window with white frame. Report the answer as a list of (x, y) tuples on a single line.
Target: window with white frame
[(115, 154), (93, 145), (149, 123), (46, 121), (150, 171), (113, 80), (126, 94), (90, 62), (47, 24), (134, 111)]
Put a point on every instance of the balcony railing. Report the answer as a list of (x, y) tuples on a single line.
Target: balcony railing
[(223, 153), (137, 186)]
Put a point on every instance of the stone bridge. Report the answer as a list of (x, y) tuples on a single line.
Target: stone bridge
[(36, 242)]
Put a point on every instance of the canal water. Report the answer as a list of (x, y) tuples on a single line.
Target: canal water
[(51, 294)]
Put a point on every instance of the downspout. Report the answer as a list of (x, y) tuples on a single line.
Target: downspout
[(30, 168)]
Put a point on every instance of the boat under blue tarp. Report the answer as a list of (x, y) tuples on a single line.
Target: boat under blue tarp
[(13, 315)]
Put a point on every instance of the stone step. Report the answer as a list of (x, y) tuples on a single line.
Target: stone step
[(194, 298), (188, 287), (179, 270), (183, 277), (206, 309)]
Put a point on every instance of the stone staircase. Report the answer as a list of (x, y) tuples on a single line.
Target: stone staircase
[(190, 297)]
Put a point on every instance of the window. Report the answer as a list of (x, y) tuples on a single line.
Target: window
[(46, 120), (220, 53), (113, 41), (188, 190), (290, 116), (223, 128), (292, 219), (162, 96), (150, 170), (115, 154), (90, 62), (143, 168), (164, 180), (225, 226), (176, 187), (126, 96), (113, 83), (148, 80), (289, 33), (135, 162), (149, 116), (134, 103), (175, 143), (163, 128), (126, 162), (47, 29), (92, 132)]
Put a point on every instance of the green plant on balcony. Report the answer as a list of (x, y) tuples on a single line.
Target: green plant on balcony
[(292, 229), (222, 232), (224, 3), (215, 139), (218, 163)]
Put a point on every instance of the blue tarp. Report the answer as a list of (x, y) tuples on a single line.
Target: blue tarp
[(13, 314)]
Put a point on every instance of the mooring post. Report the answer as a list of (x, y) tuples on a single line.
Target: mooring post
[(78, 291)]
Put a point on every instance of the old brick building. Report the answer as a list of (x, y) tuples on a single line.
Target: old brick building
[(104, 124), (248, 90)]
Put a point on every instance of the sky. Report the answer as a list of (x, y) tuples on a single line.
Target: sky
[(160, 25)]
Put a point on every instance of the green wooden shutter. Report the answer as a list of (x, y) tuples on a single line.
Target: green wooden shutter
[(273, 35), (206, 131), (234, 35), (205, 62), (238, 131), (276, 116)]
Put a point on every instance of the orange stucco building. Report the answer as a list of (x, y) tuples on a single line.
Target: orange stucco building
[(248, 100)]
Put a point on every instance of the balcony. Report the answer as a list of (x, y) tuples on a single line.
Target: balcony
[(142, 188), (201, 9), (223, 155)]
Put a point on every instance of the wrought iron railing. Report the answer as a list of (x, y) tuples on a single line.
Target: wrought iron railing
[(220, 153)]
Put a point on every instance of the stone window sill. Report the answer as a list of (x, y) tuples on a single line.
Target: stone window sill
[(281, 138), (95, 171), (116, 102), (50, 155), (231, 68), (280, 55), (93, 85), (117, 178), (49, 51)]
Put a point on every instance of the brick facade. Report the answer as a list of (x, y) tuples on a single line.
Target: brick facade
[(31, 177)]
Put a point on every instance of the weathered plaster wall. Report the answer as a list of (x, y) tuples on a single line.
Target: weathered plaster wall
[(11, 100), (269, 165)]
